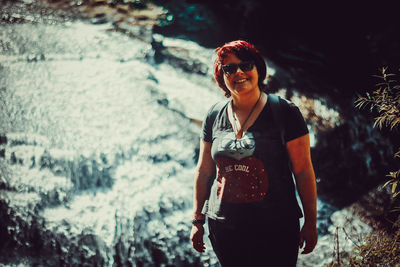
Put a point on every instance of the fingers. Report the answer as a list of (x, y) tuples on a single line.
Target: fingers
[(308, 238), (301, 242), (199, 246), (196, 237), (308, 249)]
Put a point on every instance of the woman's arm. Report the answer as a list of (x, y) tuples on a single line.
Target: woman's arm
[(300, 157), (204, 171)]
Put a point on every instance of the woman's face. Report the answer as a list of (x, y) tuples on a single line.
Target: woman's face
[(241, 81)]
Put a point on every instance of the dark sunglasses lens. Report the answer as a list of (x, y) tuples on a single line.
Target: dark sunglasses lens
[(246, 66), (230, 68)]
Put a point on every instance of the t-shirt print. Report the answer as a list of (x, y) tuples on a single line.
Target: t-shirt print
[(242, 177)]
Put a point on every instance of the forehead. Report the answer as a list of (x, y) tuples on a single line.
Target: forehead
[(230, 58)]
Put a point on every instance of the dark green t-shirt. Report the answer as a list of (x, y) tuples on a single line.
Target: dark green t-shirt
[(252, 173)]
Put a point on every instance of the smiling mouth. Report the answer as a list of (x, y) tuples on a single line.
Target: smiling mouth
[(241, 81)]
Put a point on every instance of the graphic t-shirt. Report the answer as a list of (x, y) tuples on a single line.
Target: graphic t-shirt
[(252, 173), (242, 177)]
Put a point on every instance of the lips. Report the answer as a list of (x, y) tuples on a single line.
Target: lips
[(241, 80)]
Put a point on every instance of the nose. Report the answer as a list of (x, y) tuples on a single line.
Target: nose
[(239, 70)]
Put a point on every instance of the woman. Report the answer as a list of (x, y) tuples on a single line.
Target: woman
[(252, 210)]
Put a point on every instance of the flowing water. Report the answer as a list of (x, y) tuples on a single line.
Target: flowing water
[(100, 140)]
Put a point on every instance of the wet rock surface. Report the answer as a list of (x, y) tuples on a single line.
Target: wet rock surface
[(352, 159), (95, 171)]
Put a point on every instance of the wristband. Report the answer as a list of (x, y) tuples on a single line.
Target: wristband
[(199, 221)]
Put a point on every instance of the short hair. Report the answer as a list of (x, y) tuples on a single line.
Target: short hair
[(245, 52)]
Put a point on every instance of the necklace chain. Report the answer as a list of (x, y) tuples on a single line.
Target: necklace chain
[(245, 121)]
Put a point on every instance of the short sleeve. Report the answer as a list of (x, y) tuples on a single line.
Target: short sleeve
[(295, 125), (206, 132)]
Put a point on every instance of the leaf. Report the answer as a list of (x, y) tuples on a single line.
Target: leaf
[(394, 123), (361, 102), (394, 185), (380, 84), (393, 175), (395, 209), (388, 182), (379, 121)]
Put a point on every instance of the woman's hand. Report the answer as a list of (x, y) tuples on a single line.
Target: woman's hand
[(204, 171), (300, 157), (309, 235), (196, 236)]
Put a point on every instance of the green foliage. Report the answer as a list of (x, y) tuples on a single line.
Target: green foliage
[(382, 248), (386, 101)]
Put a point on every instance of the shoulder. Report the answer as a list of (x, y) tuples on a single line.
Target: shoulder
[(216, 108), (288, 106), (282, 103), (293, 120), (221, 104), (210, 118), (213, 112), (285, 103)]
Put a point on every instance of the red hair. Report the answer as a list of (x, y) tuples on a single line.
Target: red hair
[(244, 51)]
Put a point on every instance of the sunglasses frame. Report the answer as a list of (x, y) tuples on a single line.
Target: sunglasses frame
[(244, 65)]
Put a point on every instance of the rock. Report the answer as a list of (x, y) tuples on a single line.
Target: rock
[(52, 189), (347, 230), (123, 8), (98, 2), (177, 56), (84, 171), (100, 18), (376, 208), (134, 29), (19, 225), (137, 4), (350, 160), (192, 21), (14, 139), (351, 225), (3, 139)]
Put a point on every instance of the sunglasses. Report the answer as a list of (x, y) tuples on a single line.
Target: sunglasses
[(232, 68)]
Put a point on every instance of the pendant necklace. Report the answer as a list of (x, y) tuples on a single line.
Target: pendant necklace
[(235, 122)]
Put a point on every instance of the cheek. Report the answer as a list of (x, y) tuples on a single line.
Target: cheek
[(255, 76)]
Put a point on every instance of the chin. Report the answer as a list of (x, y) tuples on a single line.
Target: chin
[(242, 89)]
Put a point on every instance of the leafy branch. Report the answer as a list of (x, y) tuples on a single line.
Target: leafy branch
[(386, 101)]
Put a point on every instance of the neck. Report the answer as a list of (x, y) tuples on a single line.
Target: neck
[(247, 101)]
